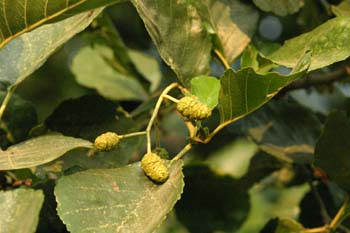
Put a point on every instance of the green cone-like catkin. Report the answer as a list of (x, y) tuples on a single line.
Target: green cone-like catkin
[(106, 141), (154, 167), (192, 109)]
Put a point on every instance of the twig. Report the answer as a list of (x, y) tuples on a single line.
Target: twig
[(6, 101), (155, 112), (169, 97), (317, 79), (338, 217), (222, 59), (323, 229), (129, 135), (184, 150)]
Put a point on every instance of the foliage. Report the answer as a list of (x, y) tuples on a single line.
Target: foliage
[(243, 105)]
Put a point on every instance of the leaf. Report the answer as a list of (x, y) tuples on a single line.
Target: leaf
[(21, 16), (176, 29), (207, 89), (210, 202), (283, 225), (244, 91), (182, 31), (278, 7), (27, 53), (285, 130), (147, 66), (323, 101), (234, 24), (329, 43), (271, 202), (249, 58), (116, 200), (93, 67), (19, 117), (233, 159), (38, 151), (333, 149), (20, 210), (342, 9)]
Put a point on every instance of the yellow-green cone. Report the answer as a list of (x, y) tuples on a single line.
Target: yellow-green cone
[(154, 167), (192, 109), (106, 141)]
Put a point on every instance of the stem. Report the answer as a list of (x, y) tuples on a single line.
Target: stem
[(317, 79), (184, 150), (222, 59), (169, 97), (324, 229), (191, 129), (129, 135), (155, 112), (5, 102), (338, 217)]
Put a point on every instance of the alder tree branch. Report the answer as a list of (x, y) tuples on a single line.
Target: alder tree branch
[(318, 79)]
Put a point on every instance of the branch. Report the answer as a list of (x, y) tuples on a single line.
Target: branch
[(318, 79)]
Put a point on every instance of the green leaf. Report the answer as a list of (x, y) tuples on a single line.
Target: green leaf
[(20, 16), (270, 202), (183, 30), (116, 200), (20, 210), (207, 89), (333, 149), (329, 43), (283, 225), (343, 9), (244, 91), (177, 30), (93, 67), (38, 151), (147, 66), (233, 159), (249, 58), (19, 117), (285, 130), (27, 53), (278, 7)]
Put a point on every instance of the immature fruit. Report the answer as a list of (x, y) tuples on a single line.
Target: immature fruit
[(192, 109), (106, 141), (154, 167)]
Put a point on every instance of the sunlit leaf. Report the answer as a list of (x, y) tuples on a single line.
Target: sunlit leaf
[(244, 91), (38, 151), (329, 43), (116, 200), (207, 89), (278, 7), (20, 16), (27, 53), (183, 31), (20, 210), (93, 67), (343, 9)]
